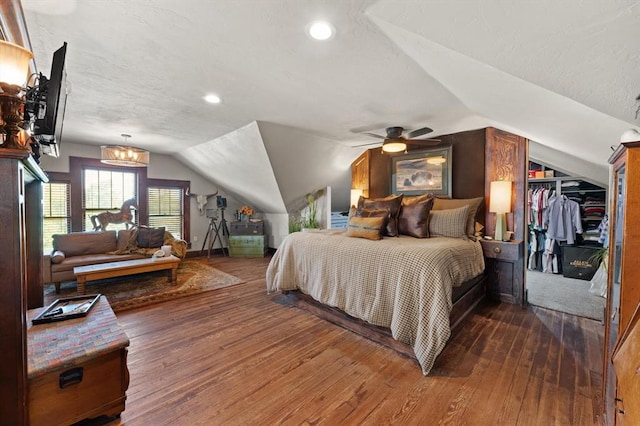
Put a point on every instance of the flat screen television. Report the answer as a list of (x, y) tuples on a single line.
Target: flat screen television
[(50, 105)]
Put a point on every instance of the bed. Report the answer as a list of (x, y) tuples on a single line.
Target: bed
[(404, 284)]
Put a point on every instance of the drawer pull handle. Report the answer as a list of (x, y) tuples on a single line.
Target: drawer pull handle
[(497, 249), (70, 377)]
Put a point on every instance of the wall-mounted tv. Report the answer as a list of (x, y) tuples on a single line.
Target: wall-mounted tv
[(47, 105)]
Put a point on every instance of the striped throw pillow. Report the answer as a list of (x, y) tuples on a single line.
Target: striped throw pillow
[(370, 228)]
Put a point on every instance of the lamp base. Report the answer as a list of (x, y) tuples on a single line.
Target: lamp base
[(501, 226), (11, 117)]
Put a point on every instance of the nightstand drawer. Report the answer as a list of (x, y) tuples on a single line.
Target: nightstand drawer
[(502, 250)]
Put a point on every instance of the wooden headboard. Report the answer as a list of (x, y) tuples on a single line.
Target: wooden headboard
[(479, 156)]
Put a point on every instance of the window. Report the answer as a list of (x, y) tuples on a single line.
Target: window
[(56, 212), (106, 190), (95, 187), (165, 206)]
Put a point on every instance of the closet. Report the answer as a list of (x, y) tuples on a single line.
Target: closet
[(566, 216), (587, 199)]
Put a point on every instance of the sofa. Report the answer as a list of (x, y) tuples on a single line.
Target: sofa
[(90, 248)]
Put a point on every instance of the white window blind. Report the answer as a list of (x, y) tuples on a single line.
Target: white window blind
[(56, 212), (165, 209)]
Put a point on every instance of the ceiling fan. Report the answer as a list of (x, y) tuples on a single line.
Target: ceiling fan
[(395, 141)]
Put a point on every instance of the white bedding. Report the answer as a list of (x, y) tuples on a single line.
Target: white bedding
[(402, 283)]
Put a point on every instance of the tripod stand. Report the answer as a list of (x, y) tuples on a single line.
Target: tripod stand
[(217, 231)]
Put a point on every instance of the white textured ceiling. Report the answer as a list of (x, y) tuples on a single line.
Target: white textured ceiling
[(564, 74)]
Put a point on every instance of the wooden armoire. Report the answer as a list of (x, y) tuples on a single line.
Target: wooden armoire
[(623, 287), (21, 272)]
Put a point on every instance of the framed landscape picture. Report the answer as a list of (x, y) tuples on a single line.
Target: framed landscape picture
[(424, 171)]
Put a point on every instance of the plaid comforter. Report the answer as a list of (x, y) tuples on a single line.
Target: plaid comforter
[(400, 283)]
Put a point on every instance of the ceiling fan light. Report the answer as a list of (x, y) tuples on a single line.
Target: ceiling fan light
[(394, 146)]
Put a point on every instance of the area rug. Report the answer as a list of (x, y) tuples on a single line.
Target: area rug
[(138, 290), (570, 295)]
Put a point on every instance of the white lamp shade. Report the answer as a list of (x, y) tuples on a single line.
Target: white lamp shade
[(355, 196), (394, 146), (14, 63), (500, 196)]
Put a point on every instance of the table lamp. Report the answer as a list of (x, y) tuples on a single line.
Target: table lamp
[(500, 204), (355, 195)]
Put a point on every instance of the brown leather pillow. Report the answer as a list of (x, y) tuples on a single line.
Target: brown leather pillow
[(414, 219), (413, 199), (391, 203)]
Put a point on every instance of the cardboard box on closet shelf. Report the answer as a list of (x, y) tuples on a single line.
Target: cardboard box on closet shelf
[(539, 174), (548, 173)]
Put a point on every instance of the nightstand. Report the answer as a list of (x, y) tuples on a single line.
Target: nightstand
[(505, 269)]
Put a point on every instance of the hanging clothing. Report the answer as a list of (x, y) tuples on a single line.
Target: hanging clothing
[(562, 218), (603, 228)]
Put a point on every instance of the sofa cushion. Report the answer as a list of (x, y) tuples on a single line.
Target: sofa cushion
[(124, 235), (79, 243), (150, 237), (91, 259)]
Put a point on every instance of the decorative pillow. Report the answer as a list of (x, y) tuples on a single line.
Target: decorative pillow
[(449, 223), (57, 256), (414, 219), (391, 203), (454, 203), (413, 199), (366, 227), (150, 237)]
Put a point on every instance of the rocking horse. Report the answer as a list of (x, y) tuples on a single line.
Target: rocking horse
[(101, 220)]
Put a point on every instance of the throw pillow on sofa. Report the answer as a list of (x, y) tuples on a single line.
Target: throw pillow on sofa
[(150, 237)]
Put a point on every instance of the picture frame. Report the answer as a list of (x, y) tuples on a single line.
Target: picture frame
[(67, 308), (424, 171)]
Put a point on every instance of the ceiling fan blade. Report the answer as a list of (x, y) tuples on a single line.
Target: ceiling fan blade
[(423, 141), (373, 135), (366, 144), (419, 132)]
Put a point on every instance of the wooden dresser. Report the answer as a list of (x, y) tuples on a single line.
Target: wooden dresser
[(77, 369)]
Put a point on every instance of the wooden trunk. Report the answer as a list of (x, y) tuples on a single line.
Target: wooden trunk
[(102, 391), (77, 367)]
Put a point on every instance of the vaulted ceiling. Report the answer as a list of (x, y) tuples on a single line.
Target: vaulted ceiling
[(564, 74)]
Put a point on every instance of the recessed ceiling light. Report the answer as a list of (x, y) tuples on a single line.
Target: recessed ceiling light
[(212, 99), (321, 30)]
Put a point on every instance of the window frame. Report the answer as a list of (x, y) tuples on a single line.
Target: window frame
[(77, 165), (183, 185)]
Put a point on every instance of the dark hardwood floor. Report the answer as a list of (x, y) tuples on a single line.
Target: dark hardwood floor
[(235, 356)]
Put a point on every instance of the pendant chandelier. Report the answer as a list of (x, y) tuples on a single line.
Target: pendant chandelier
[(124, 155)]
